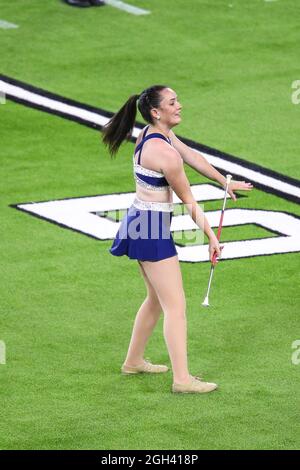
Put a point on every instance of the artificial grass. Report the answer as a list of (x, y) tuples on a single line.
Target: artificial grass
[(232, 66), (67, 306)]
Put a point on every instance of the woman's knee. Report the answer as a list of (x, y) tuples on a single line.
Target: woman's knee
[(175, 314), (153, 303), (177, 307)]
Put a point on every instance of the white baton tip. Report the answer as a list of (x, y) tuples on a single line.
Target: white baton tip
[(228, 178)]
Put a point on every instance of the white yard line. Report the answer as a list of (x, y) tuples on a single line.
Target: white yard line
[(257, 176), (51, 104), (126, 7), (6, 25)]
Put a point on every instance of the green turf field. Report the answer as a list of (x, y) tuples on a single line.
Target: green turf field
[(67, 306)]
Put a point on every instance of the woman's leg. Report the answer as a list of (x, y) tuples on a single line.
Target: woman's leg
[(144, 324), (165, 278)]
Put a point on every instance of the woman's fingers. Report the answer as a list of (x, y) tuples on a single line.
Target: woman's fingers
[(218, 250), (232, 195), (238, 186), (241, 185), (215, 252), (213, 257)]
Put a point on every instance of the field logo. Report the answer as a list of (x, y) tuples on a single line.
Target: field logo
[(296, 94), (99, 217), (2, 352), (296, 353)]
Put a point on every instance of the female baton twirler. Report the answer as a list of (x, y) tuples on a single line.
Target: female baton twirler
[(144, 233)]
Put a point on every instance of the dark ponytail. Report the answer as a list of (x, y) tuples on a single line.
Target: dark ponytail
[(121, 125)]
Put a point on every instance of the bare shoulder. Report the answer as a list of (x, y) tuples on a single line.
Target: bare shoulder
[(170, 159)]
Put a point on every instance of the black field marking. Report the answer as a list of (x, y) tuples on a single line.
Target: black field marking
[(60, 224), (278, 233), (15, 206), (263, 178)]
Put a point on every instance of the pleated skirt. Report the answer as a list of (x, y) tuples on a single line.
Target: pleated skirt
[(145, 235)]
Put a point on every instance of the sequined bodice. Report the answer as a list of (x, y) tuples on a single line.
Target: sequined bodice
[(145, 177)]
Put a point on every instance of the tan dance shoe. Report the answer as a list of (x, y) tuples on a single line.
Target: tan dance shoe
[(194, 386), (145, 367)]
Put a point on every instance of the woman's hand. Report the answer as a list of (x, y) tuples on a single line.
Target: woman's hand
[(214, 249), (238, 186)]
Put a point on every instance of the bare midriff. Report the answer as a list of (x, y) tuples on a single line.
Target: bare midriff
[(154, 196)]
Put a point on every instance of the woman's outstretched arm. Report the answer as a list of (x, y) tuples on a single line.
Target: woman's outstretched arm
[(172, 167), (199, 163)]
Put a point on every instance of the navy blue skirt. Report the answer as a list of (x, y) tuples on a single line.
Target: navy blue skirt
[(144, 235)]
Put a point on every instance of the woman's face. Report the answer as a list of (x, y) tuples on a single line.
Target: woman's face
[(169, 109)]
